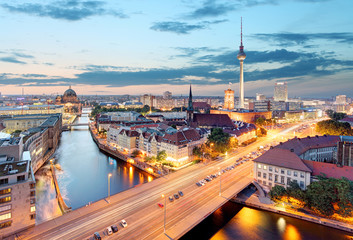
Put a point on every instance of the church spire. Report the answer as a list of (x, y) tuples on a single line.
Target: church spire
[(190, 107)]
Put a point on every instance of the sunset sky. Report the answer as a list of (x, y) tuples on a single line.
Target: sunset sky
[(150, 46)]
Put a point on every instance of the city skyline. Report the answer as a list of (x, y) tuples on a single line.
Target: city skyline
[(140, 47)]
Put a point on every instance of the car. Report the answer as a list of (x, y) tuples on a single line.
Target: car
[(176, 196), (171, 199), (198, 184), (97, 236), (181, 193), (109, 231), (160, 205), (123, 223), (114, 228)]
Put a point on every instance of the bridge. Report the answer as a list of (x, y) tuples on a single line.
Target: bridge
[(138, 205), (75, 124)]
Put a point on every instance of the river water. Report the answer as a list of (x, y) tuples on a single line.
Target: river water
[(83, 178)]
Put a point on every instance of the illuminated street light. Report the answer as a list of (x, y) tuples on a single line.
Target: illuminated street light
[(109, 175), (165, 210), (220, 182)]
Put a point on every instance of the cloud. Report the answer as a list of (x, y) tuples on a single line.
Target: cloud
[(292, 39), (71, 10), (211, 8), (216, 8), (182, 27), (11, 60)]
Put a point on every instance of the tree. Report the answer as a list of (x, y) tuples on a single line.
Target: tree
[(320, 196), (135, 153), (196, 151), (218, 140), (277, 192), (174, 126), (261, 132), (162, 156), (336, 116), (260, 121), (332, 127)]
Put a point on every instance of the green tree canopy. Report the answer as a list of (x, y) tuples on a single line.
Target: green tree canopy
[(332, 127)]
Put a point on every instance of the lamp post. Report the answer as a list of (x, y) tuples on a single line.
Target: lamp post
[(220, 182), (165, 210), (109, 175)]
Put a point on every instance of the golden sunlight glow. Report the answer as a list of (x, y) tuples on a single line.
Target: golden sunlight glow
[(291, 233)]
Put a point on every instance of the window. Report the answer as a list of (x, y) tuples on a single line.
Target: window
[(270, 176), (5, 208), (5, 191), (5, 199), (5, 224), (301, 174), (33, 200), (295, 174), (33, 193), (33, 208), (276, 178), (265, 167), (259, 174), (270, 184), (295, 180), (282, 171), (259, 165), (264, 182), (33, 216), (32, 185), (20, 178), (289, 172), (4, 181), (264, 175), (288, 181), (276, 170), (5, 216), (282, 179), (301, 184), (270, 169)]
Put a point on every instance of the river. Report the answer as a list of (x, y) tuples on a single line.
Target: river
[(83, 178)]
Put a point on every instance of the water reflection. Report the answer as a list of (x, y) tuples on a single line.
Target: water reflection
[(83, 175), (233, 221)]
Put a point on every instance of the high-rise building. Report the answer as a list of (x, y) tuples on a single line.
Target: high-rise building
[(241, 57), (260, 97), (281, 93), (167, 95), (147, 99), (228, 99), (341, 99)]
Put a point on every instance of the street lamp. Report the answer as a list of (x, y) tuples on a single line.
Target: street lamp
[(109, 175), (165, 209), (220, 182)]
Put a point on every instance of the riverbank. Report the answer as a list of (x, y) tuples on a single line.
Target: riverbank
[(254, 202), (101, 143)]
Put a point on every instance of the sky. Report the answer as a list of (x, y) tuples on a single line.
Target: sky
[(151, 46)]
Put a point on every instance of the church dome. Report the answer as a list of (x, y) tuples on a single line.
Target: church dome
[(70, 93)]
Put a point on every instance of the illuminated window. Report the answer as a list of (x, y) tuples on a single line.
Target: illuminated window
[(265, 167), (33, 208), (5, 191), (5, 208), (5, 224), (259, 165), (5, 199), (5, 216)]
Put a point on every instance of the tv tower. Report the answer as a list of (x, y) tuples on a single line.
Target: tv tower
[(241, 56)]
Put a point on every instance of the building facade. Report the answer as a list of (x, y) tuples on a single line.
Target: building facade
[(228, 99), (281, 92)]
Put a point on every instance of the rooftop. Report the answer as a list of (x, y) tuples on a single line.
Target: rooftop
[(9, 168), (329, 169), (282, 158), (10, 141)]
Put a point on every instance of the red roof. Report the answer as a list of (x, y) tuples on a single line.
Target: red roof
[(212, 120), (282, 158), (329, 169), (182, 137), (301, 145), (201, 105)]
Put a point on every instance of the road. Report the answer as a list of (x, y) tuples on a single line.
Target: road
[(138, 206)]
